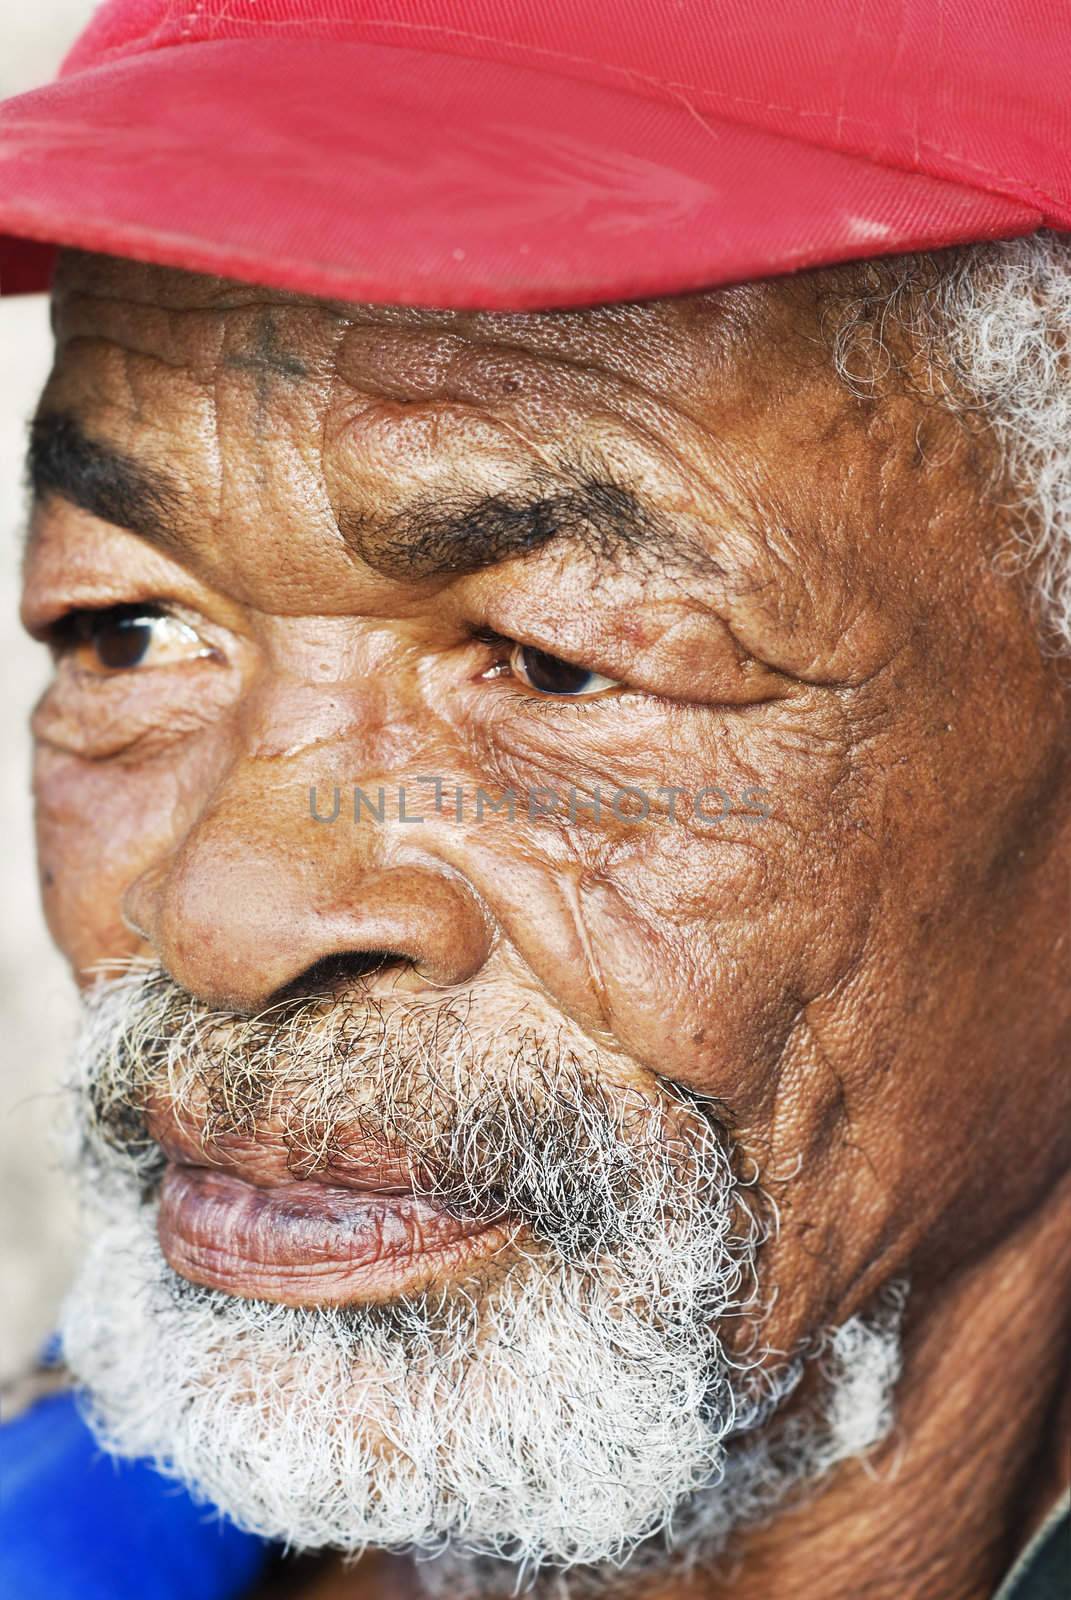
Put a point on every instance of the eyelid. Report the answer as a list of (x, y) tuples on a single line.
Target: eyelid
[(508, 642), (605, 684), (61, 632), (509, 646), (74, 635), (538, 639), (54, 615)]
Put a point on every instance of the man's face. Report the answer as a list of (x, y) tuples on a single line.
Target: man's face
[(652, 548)]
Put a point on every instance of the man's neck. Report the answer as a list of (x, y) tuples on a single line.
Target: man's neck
[(941, 1509)]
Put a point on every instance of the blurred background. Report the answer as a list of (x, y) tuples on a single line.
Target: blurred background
[(37, 1007)]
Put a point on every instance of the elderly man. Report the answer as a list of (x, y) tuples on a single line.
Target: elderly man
[(556, 784)]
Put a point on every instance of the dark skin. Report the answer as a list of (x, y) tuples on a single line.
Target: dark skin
[(788, 588)]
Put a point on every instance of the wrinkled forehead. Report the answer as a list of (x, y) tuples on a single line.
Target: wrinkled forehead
[(669, 344), (231, 406), (286, 448)]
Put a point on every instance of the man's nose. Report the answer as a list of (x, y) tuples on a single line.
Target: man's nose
[(250, 901)]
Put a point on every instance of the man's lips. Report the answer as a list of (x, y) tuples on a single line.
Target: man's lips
[(312, 1243), (265, 1158)]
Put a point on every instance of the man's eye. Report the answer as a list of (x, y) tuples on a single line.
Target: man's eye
[(551, 675), (124, 637)]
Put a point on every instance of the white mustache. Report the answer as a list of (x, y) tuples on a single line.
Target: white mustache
[(487, 1118), (583, 1407)]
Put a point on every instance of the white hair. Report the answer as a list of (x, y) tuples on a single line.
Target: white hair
[(540, 1427), (582, 1408), (993, 323)]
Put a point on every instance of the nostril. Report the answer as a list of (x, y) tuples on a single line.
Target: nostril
[(334, 972)]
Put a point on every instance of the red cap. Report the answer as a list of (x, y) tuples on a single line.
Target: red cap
[(522, 153)]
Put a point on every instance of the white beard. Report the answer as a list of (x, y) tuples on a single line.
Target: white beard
[(579, 1409), (539, 1425)]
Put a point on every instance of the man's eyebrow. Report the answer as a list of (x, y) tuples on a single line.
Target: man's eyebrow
[(64, 460), (586, 507), (589, 509)]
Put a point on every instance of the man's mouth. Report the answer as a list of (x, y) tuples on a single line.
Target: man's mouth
[(314, 1242), (311, 1243)]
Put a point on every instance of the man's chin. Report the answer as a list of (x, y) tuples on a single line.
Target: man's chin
[(542, 1421), (539, 1418)]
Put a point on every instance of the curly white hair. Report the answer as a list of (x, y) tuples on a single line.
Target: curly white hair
[(994, 324)]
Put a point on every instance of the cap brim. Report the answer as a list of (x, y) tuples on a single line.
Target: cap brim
[(368, 172)]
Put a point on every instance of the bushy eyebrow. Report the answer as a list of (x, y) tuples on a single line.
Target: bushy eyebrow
[(589, 510), (62, 459), (586, 507)]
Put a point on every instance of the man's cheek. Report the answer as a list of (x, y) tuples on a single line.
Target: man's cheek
[(704, 999), (99, 827), (700, 990), (711, 940)]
